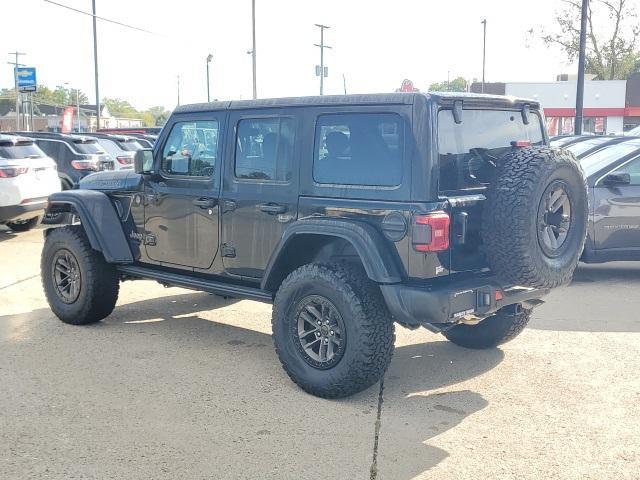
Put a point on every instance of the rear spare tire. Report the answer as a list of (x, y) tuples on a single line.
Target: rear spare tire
[(535, 217)]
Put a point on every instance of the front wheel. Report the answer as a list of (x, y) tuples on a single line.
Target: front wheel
[(80, 286), (332, 330), (501, 327)]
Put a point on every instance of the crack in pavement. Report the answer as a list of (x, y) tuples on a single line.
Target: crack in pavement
[(373, 471), (19, 281)]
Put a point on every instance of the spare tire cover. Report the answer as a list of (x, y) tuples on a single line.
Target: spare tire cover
[(535, 217)]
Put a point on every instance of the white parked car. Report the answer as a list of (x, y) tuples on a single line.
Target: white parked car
[(27, 178), (122, 148)]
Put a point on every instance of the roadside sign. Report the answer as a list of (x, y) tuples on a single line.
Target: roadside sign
[(26, 79)]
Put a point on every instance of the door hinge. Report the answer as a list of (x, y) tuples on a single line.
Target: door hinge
[(228, 251)]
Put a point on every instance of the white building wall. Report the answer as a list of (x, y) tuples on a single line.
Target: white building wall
[(597, 94)]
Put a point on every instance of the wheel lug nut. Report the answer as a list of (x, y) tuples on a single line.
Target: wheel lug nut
[(331, 332)]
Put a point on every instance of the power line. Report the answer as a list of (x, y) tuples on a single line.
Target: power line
[(103, 18)]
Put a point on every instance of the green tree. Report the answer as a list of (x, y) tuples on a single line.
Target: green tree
[(612, 36), (160, 115), (120, 108), (456, 85)]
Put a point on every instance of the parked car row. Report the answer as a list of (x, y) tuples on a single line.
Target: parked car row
[(612, 168), (29, 160)]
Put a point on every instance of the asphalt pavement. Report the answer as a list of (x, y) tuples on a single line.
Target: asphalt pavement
[(179, 384)]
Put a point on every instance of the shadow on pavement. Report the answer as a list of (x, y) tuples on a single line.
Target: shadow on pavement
[(601, 298), (413, 413)]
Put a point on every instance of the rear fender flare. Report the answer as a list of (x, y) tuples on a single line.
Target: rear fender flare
[(378, 255), (99, 220)]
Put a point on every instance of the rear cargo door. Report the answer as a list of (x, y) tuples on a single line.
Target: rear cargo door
[(468, 152)]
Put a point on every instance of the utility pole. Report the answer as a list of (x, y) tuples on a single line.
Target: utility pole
[(448, 76), (209, 58), (178, 90), (484, 49), (95, 64), (344, 83), (581, 61), (17, 64), (322, 47), (253, 47)]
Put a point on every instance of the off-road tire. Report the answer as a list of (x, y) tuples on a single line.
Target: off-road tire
[(24, 226), (99, 281), (368, 323), (510, 217), (495, 330)]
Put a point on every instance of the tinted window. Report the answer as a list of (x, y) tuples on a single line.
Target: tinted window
[(88, 147), (600, 159), (130, 145), (359, 149), (469, 150), (110, 146), (264, 149), (191, 149), (633, 169), (24, 150)]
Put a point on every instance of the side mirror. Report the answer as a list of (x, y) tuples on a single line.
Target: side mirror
[(616, 179), (143, 161)]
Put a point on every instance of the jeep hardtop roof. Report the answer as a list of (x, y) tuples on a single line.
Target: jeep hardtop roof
[(441, 98)]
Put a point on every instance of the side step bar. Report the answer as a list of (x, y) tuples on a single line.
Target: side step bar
[(196, 283)]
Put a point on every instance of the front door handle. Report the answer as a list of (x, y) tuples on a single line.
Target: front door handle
[(272, 208), (205, 202)]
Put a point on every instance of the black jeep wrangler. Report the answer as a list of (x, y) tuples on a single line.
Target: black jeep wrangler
[(349, 213)]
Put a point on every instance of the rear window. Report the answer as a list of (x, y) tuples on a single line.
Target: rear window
[(21, 150), (130, 145), (359, 149), (87, 147), (469, 150)]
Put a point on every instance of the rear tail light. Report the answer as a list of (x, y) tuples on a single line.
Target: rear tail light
[(10, 172), (124, 160), (85, 164), (431, 232), (521, 143)]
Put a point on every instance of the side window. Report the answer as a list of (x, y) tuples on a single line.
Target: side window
[(633, 169), (48, 148), (359, 149), (191, 149), (264, 149)]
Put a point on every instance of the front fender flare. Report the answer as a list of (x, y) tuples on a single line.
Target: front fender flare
[(378, 255), (99, 220)]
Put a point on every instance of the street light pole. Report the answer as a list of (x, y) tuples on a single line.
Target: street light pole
[(17, 64), (209, 58), (322, 47), (253, 47), (95, 64), (484, 49), (581, 61)]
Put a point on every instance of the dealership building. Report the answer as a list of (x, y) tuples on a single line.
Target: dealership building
[(610, 106)]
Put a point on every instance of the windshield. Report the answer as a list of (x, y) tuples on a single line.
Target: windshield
[(581, 147), (130, 145), (22, 150), (469, 150), (88, 147), (600, 159)]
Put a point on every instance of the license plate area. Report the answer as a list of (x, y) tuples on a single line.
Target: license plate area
[(463, 303)]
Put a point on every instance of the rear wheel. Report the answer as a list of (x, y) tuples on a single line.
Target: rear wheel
[(80, 286), (332, 330), (24, 225), (505, 325)]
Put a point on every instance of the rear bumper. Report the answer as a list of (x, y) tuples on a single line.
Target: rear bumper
[(446, 304), (23, 211)]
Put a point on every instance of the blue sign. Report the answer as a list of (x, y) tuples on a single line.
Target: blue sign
[(26, 79)]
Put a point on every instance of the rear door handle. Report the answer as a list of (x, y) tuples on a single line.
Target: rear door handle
[(272, 208), (205, 202)]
